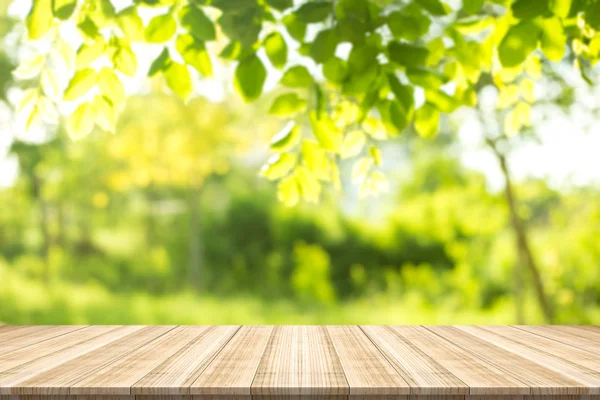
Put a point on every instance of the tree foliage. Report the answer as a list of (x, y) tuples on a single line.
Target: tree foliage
[(355, 71)]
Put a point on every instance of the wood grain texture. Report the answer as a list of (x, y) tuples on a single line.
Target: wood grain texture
[(423, 373), (12, 377), (566, 352), (542, 381), (569, 335), (482, 378), (60, 343), (300, 360), (539, 351), (118, 377), (231, 372), (299, 363), (367, 370), (27, 335), (58, 380), (175, 375)]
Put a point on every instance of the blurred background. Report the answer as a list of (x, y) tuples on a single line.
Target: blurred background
[(170, 221)]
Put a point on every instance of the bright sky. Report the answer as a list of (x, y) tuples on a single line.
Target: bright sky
[(567, 155)]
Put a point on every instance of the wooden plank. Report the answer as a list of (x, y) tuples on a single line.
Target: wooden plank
[(35, 351), (58, 380), (118, 377), (14, 376), (176, 374), (27, 335), (542, 381), (564, 351), (300, 360), (572, 336), (367, 370), (6, 328), (539, 350), (231, 372), (424, 374), (482, 378)]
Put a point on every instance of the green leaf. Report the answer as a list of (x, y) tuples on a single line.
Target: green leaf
[(592, 14), (111, 86), (324, 129), (407, 55), (194, 53), (160, 63), (155, 3), (131, 23), (197, 23), (243, 27), (250, 76), (361, 168), (404, 94), (518, 43), (358, 9), (297, 77), (80, 84), (441, 100), (436, 7), (81, 122), (279, 165), (280, 5), (288, 191), (101, 12), (63, 9), (324, 45), (295, 27), (50, 84), (425, 78), (234, 6), (427, 119), (39, 19), (352, 30), (315, 159), (393, 116), (160, 29), (375, 154), (315, 11), (179, 80), (89, 52), (409, 27), (232, 51), (353, 144), (560, 8), (89, 28), (472, 6), (276, 49), (335, 70), (553, 41), (287, 105), (124, 59), (398, 116), (105, 113), (287, 138), (527, 9)]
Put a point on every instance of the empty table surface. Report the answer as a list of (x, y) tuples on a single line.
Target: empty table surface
[(391, 362)]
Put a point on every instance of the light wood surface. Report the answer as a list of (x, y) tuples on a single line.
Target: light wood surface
[(299, 362), (543, 381), (423, 373)]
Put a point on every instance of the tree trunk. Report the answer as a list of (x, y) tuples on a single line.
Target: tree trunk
[(525, 254), (196, 249), (44, 225)]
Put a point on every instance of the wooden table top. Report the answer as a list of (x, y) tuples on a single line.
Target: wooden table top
[(275, 361)]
